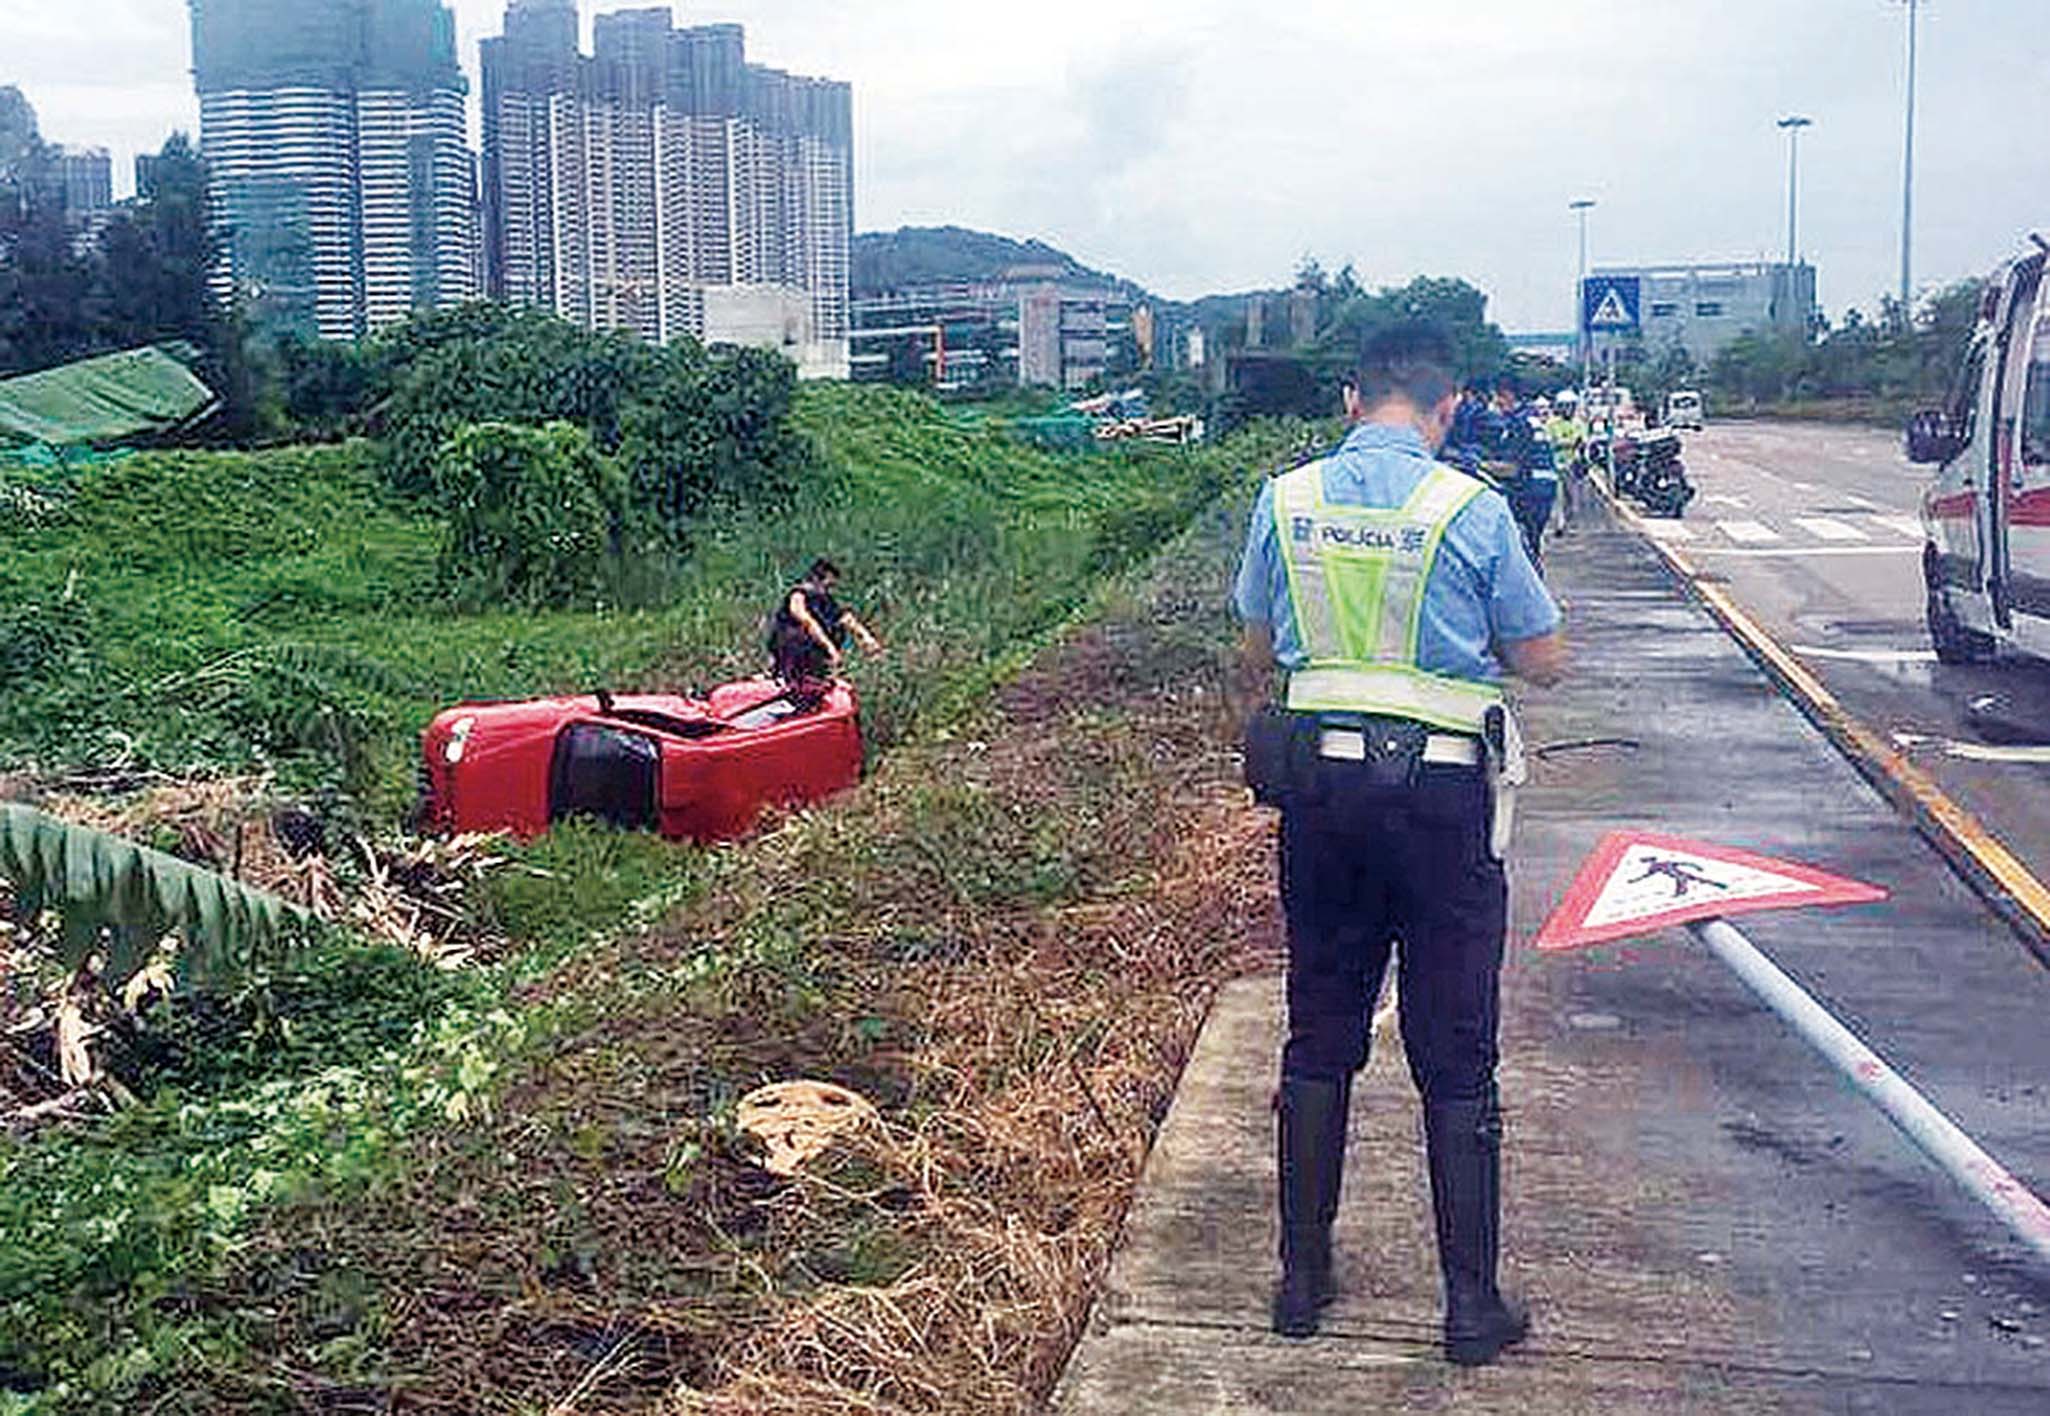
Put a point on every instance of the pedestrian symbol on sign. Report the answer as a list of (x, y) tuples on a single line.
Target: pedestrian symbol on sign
[(1610, 302), (1611, 311), (1682, 873)]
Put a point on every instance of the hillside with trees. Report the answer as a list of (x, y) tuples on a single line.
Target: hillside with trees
[(929, 255)]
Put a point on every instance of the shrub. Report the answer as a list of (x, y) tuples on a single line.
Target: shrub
[(536, 515), (713, 428), (530, 369)]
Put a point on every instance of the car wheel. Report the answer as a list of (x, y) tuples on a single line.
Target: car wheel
[(1953, 643)]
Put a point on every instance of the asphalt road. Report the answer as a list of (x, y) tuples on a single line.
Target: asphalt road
[(1813, 529), (1706, 1218), (1860, 1275)]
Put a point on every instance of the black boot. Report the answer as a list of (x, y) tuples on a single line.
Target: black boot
[(1465, 1142), (1310, 1155)]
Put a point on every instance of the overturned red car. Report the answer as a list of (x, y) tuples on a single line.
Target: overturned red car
[(700, 769)]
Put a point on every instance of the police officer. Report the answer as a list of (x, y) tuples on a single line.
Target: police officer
[(1392, 591), (1568, 437), (1465, 440), (1533, 484)]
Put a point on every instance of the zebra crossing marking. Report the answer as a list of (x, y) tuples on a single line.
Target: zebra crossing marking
[(1749, 532), (1824, 529)]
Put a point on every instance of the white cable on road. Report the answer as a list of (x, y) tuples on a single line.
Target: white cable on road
[(1937, 1136)]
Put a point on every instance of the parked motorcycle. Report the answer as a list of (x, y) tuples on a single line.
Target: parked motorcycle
[(1647, 469)]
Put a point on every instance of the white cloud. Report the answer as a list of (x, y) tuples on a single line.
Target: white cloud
[(1210, 144)]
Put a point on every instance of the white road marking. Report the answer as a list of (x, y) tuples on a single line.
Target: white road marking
[(1661, 530), (1723, 499), (1868, 656), (1907, 525), (1803, 486), (1822, 528), (1808, 551), (1748, 531), (1863, 503)]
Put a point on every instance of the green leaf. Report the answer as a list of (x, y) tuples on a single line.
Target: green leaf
[(98, 882)]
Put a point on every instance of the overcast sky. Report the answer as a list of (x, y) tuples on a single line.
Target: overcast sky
[(1207, 145)]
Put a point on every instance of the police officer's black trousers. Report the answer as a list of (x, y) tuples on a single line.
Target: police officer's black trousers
[(1363, 867)]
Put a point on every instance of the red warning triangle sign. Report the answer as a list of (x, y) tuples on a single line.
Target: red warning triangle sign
[(1638, 882)]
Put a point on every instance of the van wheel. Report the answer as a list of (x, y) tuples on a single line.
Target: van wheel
[(1953, 643)]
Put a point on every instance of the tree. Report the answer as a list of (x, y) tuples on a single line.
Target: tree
[(44, 284), (150, 277), (535, 515), (713, 428)]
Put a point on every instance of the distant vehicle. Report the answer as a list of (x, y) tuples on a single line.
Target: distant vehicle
[(1683, 409), (702, 769), (1178, 431), (1986, 564), (1609, 405)]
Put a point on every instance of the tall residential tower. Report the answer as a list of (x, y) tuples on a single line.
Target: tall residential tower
[(663, 184), (334, 135)]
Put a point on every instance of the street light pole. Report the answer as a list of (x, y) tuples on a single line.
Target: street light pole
[(1794, 123), (1908, 170), (1586, 339)]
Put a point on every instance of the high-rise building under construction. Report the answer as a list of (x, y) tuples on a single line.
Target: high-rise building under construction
[(663, 184), (335, 138)]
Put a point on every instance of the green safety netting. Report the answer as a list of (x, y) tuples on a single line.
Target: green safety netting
[(104, 399), (1059, 433)]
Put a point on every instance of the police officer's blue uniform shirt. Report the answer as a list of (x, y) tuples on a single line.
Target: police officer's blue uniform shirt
[(1482, 589)]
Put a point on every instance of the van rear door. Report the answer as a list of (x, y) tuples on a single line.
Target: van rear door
[(2002, 477), (2028, 518)]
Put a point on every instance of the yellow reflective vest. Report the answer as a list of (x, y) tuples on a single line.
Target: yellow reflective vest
[(1356, 582)]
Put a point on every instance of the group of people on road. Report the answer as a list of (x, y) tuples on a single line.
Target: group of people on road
[(1533, 451)]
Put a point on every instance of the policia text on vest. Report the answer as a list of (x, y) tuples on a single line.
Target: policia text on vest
[(1390, 591)]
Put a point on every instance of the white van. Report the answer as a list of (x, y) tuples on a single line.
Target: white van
[(1608, 406), (1683, 409), (1987, 516)]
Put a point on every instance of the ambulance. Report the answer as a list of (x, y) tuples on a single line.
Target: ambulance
[(1986, 518)]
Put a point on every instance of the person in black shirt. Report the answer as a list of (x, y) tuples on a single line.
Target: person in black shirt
[(811, 629)]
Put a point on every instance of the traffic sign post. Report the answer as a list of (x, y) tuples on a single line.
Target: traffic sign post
[(1637, 882)]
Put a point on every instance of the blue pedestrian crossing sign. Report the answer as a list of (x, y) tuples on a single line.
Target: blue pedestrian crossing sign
[(1609, 303)]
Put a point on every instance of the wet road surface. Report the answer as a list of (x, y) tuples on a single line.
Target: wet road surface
[(1813, 529)]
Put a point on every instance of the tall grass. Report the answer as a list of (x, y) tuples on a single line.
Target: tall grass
[(195, 611), (212, 610)]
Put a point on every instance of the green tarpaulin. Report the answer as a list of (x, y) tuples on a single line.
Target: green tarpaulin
[(103, 400)]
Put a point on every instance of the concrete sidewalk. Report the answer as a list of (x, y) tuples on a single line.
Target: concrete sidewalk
[(1703, 1218)]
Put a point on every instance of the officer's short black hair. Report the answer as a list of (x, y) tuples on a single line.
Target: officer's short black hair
[(1411, 360), (821, 568)]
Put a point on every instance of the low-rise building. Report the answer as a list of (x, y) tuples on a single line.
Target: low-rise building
[(1698, 308), (1024, 328), (952, 336)]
